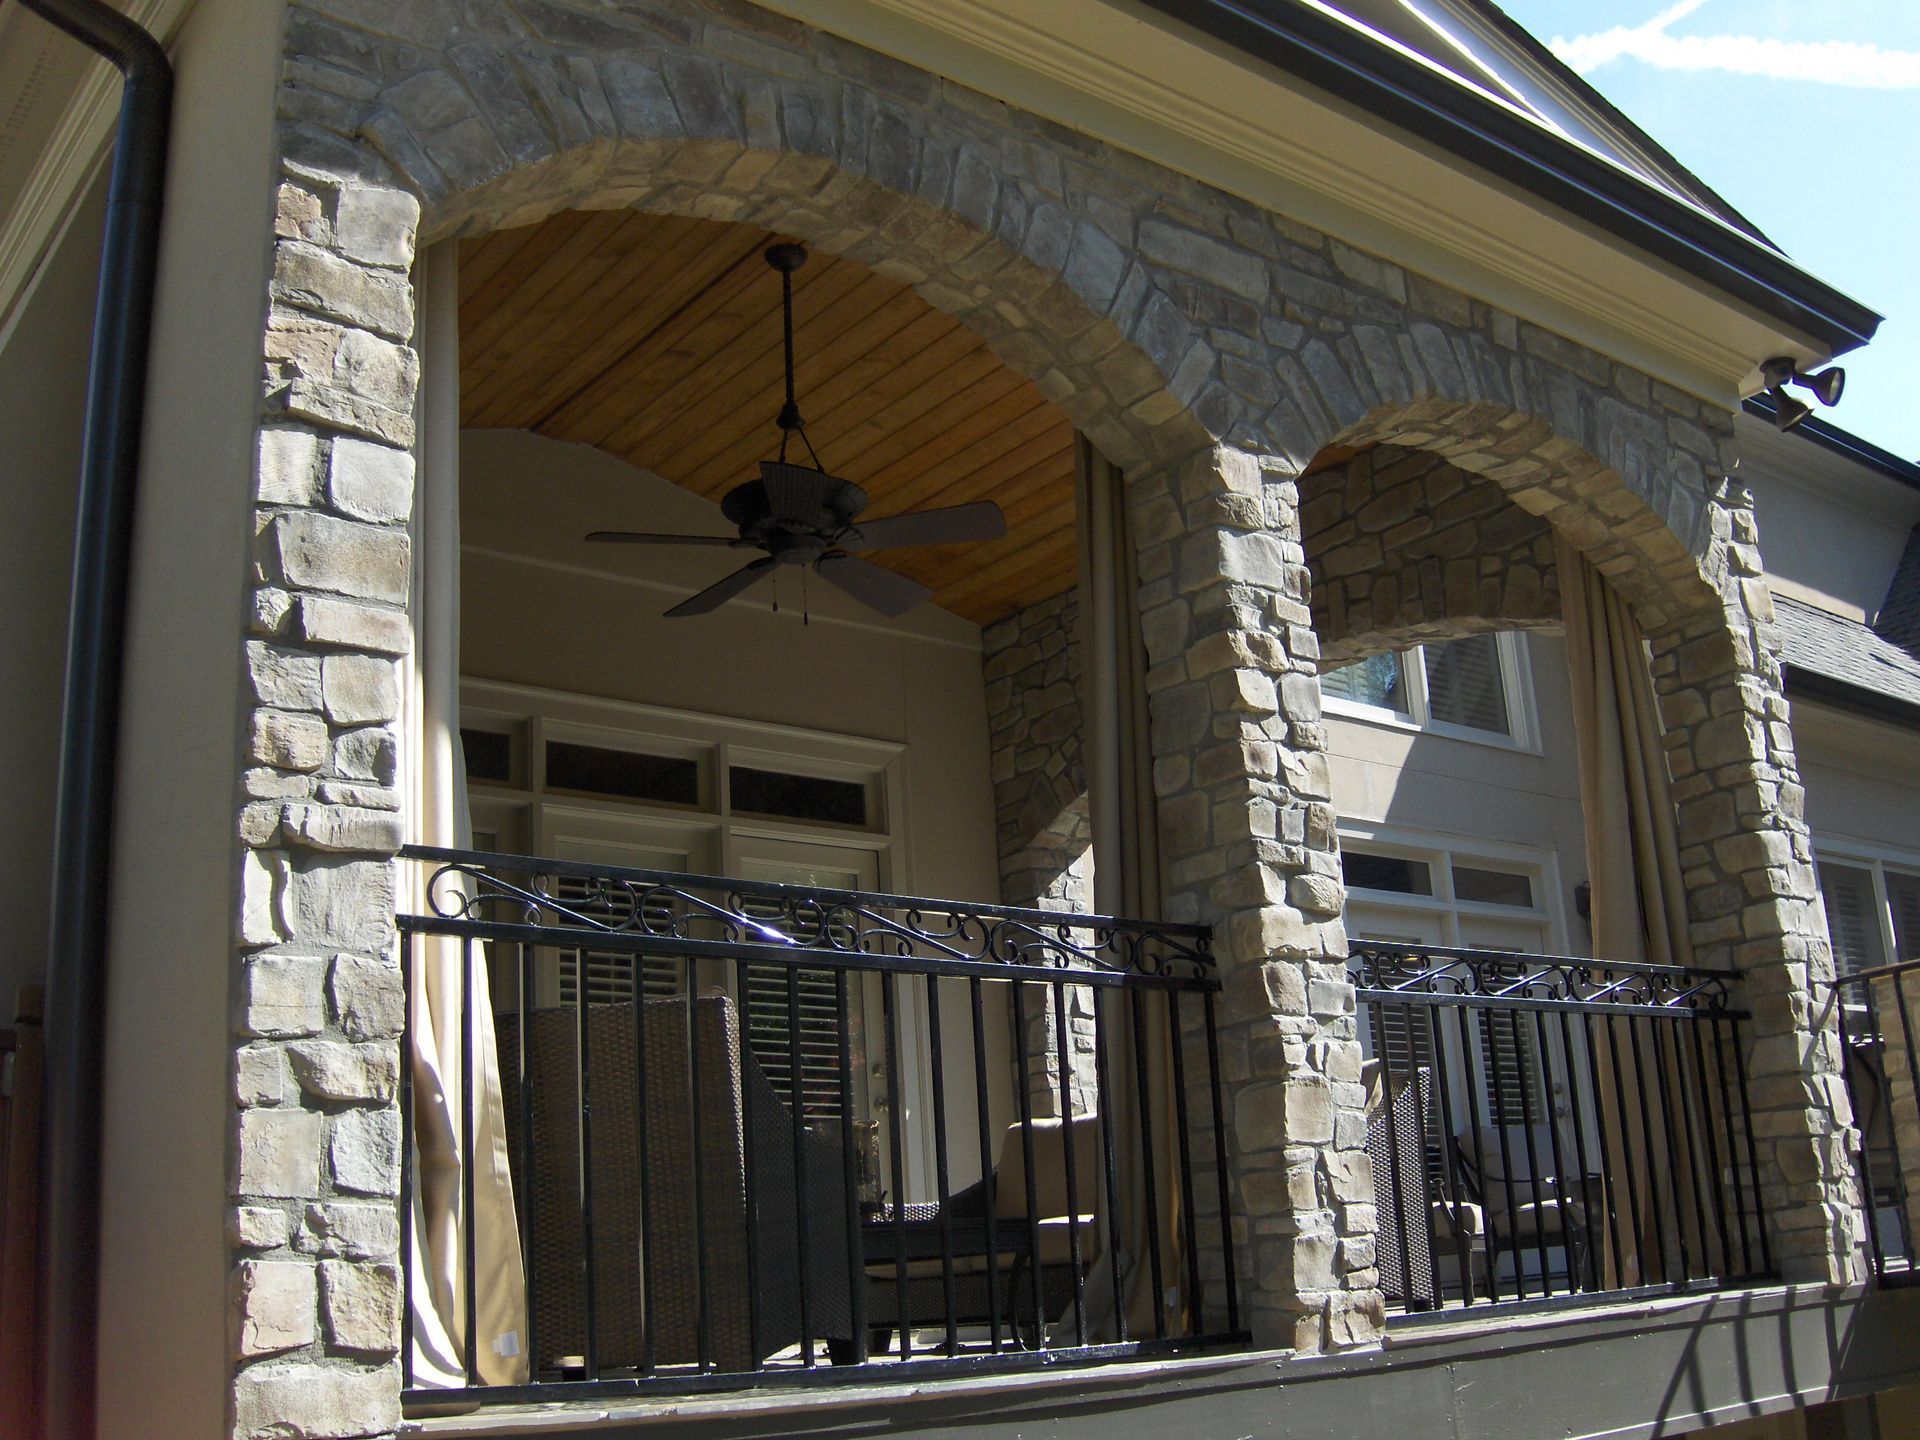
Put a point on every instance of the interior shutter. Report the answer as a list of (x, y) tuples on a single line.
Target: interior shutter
[(1508, 1068), (768, 1034), (609, 973), (764, 1007)]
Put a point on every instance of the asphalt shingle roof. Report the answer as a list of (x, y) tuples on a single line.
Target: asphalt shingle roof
[(1845, 651)]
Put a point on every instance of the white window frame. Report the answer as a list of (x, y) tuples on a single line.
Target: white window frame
[(1441, 852), (1876, 860), (525, 809), (1516, 678)]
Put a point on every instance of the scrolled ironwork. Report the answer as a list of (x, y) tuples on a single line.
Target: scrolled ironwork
[(788, 920), (1491, 978)]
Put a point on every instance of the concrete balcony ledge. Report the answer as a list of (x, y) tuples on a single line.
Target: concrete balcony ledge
[(1646, 1367)]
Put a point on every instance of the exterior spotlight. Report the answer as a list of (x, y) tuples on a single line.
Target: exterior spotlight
[(1780, 372)]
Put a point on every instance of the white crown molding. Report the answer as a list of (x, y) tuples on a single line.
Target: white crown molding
[(32, 220)]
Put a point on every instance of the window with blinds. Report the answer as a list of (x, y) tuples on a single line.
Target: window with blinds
[(1465, 686), (1853, 920), (1477, 684), (1903, 899), (1379, 681)]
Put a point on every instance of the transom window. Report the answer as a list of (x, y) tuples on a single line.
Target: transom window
[(1472, 688)]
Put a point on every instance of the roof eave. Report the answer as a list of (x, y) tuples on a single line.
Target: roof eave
[(1415, 98)]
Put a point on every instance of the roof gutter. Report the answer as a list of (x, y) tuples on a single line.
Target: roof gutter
[(1345, 63), (1840, 442), (1804, 684), (90, 721)]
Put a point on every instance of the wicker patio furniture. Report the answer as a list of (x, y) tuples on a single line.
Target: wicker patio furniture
[(698, 1214), (994, 1274)]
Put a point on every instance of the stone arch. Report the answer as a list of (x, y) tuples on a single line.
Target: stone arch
[(741, 116), (1162, 316), (1405, 548)]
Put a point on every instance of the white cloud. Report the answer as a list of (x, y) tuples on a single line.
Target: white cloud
[(1830, 62)]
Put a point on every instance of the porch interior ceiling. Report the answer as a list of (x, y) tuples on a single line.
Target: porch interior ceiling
[(656, 338)]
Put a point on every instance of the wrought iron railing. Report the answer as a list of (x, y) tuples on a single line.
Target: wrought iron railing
[(1875, 1013), (1546, 1126), (761, 1133)]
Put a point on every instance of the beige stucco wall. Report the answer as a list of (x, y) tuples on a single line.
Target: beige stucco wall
[(1467, 790), (1862, 778), (1832, 530), (43, 382), (163, 1315)]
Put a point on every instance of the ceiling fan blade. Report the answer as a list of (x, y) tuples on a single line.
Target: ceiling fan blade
[(874, 587), (721, 591), (641, 537), (980, 520)]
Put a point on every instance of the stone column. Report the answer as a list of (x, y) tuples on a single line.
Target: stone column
[(1248, 845), (1036, 727), (1753, 900), (314, 1228)]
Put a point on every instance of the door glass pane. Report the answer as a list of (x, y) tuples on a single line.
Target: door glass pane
[(1379, 681), (1464, 684), (1903, 897), (1853, 926)]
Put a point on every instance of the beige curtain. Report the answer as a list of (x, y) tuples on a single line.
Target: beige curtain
[(1639, 911), (437, 814), (1126, 878)]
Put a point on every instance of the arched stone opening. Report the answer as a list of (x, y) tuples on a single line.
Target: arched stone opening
[(1385, 521), (1406, 548)]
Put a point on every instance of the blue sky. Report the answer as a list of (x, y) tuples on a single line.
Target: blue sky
[(1806, 118)]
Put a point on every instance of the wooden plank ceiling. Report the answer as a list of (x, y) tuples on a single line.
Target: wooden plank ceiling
[(657, 339)]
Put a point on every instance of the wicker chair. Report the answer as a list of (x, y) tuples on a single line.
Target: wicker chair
[(1410, 1191), (1397, 1145), (994, 1270), (717, 1195)]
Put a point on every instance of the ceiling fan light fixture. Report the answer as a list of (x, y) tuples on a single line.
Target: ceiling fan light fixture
[(800, 515)]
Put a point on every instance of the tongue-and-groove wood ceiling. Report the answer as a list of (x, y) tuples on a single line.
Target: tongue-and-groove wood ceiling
[(657, 339)]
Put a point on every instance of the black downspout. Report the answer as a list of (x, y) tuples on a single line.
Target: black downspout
[(90, 721)]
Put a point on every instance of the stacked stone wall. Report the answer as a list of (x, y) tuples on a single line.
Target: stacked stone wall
[(1405, 548), (1249, 845), (1036, 729), (1043, 828), (315, 1286), (1753, 898)]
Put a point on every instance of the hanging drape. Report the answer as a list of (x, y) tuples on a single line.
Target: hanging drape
[(437, 814), (1126, 880), (1639, 902)]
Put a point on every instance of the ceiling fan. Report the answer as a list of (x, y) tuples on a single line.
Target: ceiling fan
[(800, 515)]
